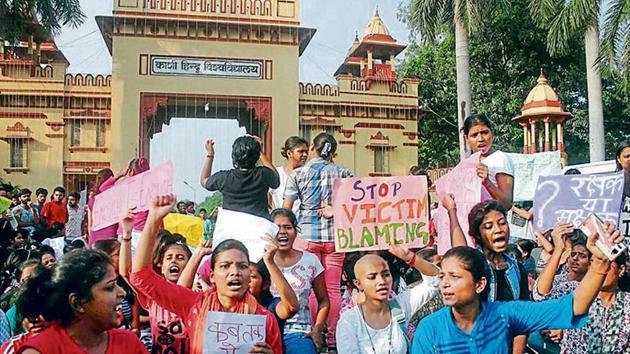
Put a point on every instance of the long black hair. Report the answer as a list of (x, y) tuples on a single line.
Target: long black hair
[(46, 293), (478, 213), (624, 145)]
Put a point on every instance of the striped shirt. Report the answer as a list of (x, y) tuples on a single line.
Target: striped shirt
[(496, 326), (312, 184)]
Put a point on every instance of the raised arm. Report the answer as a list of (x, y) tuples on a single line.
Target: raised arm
[(187, 278), (525, 214), (546, 277), (206, 170), (160, 207), (124, 260), (457, 234), (543, 242), (418, 263), (592, 282), (504, 189), (289, 304), (264, 160)]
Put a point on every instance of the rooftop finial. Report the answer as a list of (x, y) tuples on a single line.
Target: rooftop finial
[(376, 13), (542, 79)]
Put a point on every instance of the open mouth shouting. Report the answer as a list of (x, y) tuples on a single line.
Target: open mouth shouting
[(235, 285), (283, 240), (500, 242)]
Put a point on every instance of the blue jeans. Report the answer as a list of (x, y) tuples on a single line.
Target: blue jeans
[(297, 343)]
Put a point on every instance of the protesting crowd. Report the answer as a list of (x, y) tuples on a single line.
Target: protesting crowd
[(69, 285)]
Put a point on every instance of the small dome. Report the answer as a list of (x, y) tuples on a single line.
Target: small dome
[(376, 26), (542, 99)]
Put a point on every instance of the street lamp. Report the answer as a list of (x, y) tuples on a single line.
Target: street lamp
[(193, 190)]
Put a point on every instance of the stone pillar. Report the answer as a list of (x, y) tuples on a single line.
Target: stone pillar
[(532, 145), (525, 139), (547, 142), (560, 138)]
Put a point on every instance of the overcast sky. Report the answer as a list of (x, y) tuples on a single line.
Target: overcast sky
[(335, 20)]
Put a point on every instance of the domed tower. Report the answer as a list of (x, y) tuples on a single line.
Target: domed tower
[(543, 107)]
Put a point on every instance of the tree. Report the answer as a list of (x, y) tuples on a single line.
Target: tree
[(37, 19), (432, 17), (566, 19), (505, 57)]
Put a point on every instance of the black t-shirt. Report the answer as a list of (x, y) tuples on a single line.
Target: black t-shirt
[(504, 293), (245, 190)]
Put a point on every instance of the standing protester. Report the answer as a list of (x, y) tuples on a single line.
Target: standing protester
[(312, 185), (244, 187), (76, 215), (102, 176), (230, 275), (304, 272), (295, 150), (471, 324), (55, 212), (495, 168), (622, 156), (81, 300), (378, 324), (26, 215)]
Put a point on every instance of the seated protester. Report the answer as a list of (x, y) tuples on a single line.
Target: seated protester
[(74, 245), (471, 324), (130, 316), (169, 334), (23, 273), (378, 324), (55, 213), (230, 275), (244, 187), (26, 216), (303, 333), (49, 257), (20, 240), (489, 228), (607, 330), (81, 299)]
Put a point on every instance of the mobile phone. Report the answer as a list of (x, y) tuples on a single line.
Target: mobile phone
[(593, 224)]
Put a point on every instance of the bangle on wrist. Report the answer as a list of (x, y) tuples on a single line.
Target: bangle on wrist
[(210, 156), (412, 260), (126, 238)]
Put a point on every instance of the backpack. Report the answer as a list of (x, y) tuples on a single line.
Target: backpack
[(398, 314)]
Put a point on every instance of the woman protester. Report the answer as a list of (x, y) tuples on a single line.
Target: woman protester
[(230, 277), (305, 273), (472, 324), (81, 301), (295, 150), (312, 185), (378, 324), (246, 186), (495, 167)]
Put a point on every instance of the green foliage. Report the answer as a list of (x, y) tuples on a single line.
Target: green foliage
[(22, 18), (506, 56), (211, 202)]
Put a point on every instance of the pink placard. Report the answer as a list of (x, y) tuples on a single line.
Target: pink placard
[(466, 186), (136, 191), (371, 213)]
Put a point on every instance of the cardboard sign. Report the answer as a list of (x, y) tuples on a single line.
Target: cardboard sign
[(232, 333), (520, 227), (247, 228), (527, 169), (191, 227), (370, 213), (570, 199), (136, 191), (465, 185)]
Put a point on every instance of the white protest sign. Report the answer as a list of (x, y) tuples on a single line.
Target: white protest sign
[(519, 226), (246, 228), (527, 169), (232, 333)]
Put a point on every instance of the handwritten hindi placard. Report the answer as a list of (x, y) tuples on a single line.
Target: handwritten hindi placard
[(232, 333), (247, 228), (527, 169), (370, 213), (570, 199), (465, 185), (136, 191)]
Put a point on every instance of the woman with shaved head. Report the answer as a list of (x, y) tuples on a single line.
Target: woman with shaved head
[(377, 324)]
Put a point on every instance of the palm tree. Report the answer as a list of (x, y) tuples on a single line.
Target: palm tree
[(564, 19), (432, 17), (35, 19)]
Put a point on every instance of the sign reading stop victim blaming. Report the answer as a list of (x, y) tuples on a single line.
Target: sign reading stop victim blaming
[(373, 212)]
